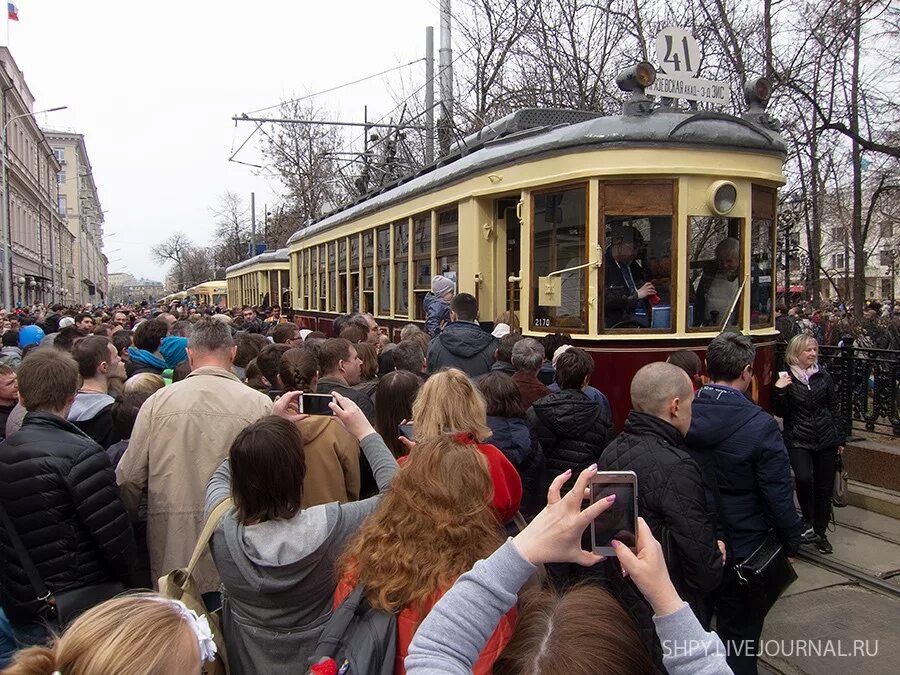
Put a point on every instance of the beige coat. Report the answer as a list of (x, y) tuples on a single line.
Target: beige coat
[(182, 434), (332, 462)]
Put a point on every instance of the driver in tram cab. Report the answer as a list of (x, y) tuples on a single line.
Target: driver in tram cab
[(717, 287), (625, 285)]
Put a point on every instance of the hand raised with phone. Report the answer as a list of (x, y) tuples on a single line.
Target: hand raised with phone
[(555, 533), (648, 571), (350, 416), (287, 406)]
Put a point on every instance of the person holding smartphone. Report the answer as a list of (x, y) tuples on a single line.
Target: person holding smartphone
[(671, 497)]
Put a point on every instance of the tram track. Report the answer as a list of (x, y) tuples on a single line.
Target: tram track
[(855, 574)]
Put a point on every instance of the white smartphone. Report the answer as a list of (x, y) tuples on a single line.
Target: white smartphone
[(316, 404), (619, 521)]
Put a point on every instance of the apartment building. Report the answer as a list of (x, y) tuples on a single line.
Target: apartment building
[(79, 205), (38, 246)]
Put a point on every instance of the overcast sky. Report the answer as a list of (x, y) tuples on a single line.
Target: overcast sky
[(153, 87)]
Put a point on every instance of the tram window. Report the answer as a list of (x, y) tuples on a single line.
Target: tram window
[(560, 234), (322, 278), (332, 279), (762, 237), (448, 244), (401, 268), (369, 271), (342, 255), (384, 271), (715, 276), (421, 261), (762, 257), (354, 272), (638, 272)]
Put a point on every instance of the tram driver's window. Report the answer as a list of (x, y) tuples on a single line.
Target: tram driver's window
[(638, 272), (560, 233), (714, 278)]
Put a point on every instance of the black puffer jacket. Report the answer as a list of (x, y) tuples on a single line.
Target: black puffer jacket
[(59, 490), (520, 445), (463, 345), (811, 413), (672, 499), (572, 430)]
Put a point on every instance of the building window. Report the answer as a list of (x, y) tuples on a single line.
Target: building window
[(884, 257), (838, 233), (60, 154), (560, 242), (837, 261), (61, 204), (887, 229), (60, 177), (714, 273), (886, 289)]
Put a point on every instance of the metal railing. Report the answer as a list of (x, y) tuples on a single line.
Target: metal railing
[(868, 383)]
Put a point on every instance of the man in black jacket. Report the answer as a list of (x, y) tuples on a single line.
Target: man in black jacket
[(462, 343), (339, 369), (671, 497), (626, 289), (92, 412), (59, 490), (741, 453)]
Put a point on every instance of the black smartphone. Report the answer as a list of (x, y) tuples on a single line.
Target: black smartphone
[(619, 521), (316, 404), (406, 430)]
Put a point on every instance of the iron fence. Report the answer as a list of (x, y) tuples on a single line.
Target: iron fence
[(868, 383)]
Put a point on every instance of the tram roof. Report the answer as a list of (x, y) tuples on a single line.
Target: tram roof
[(660, 128), (281, 255)]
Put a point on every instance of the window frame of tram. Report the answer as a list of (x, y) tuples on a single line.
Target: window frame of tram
[(542, 317), (368, 272), (421, 256), (383, 269), (447, 256), (734, 229), (353, 273), (342, 270), (333, 305), (321, 300), (762, 221), (401, 268), (635, 217)]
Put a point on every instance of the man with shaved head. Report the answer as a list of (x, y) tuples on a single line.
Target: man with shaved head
[(671, 496)]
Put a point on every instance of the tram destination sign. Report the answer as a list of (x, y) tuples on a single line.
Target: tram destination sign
[(679, 59)]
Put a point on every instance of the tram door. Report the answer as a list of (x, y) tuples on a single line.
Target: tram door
[(509, 240)]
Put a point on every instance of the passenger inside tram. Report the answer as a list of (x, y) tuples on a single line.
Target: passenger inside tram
[(718, 286), (626, 288)]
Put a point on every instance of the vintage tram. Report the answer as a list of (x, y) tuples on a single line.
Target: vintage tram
[(211, 293), (261, 281), (564, 217)]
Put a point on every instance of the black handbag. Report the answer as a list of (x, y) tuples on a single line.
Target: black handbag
[(64, 606), (766, 573), (840, 495)]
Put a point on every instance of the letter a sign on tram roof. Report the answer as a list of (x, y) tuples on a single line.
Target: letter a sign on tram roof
[(679, 58)]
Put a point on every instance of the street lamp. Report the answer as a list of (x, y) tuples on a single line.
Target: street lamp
[(4, 208)]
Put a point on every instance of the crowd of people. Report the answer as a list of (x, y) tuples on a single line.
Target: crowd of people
[(442, 487)]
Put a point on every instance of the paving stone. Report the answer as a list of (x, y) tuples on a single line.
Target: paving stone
[(841, 619)]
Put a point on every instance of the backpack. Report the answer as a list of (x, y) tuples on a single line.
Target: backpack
[(360, 637)]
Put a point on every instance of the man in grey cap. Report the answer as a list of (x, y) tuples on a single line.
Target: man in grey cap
[(437, 304)]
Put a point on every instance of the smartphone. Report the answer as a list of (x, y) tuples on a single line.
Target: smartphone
[(782, 373), (316, 404), (406, 430), (619, 521)]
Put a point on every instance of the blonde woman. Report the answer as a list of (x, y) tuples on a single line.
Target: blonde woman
[(144, 382), (131, 635), (806, 398), (448, 404)]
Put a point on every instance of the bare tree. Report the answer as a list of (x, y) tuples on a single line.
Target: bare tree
[(173, 250), (232, 234)]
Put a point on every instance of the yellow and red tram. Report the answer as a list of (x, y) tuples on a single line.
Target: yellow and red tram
[(564, 217)]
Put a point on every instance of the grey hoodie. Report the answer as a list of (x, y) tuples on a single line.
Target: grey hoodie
[(278, 576), (88, 404)]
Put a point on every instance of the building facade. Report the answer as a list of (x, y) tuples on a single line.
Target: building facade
[(39, 247), (125, 288), (79, 205)]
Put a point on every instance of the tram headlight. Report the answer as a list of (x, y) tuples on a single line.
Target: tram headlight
[(722, 196), (757, 92), (640, 76)]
